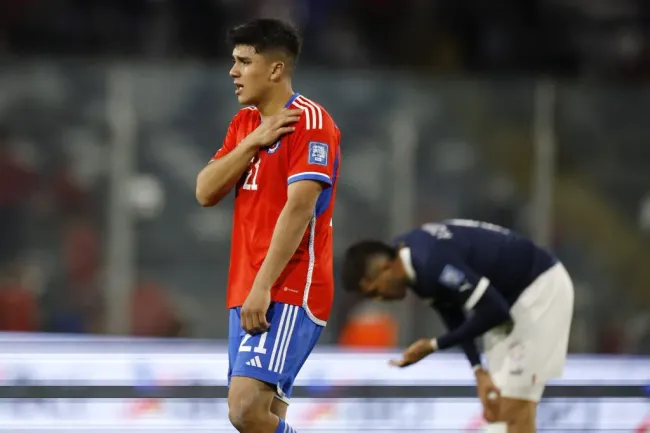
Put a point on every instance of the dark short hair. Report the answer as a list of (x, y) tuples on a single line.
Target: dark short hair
[(357, 258), (267, 34)]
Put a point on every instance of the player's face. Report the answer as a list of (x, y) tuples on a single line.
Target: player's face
[(251, 73), (382, 281)]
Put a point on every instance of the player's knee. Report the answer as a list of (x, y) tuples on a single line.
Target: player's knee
[(248, 404), (245, 414)]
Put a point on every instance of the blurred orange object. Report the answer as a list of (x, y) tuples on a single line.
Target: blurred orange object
[(370, 329)]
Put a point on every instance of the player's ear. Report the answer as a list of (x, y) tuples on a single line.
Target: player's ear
[(364, 286), (277, 70)]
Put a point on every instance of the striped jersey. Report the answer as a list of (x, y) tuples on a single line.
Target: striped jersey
[(311, 152)]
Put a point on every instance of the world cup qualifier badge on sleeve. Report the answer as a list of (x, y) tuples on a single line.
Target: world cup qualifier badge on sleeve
[(452, 277), (318, 153)]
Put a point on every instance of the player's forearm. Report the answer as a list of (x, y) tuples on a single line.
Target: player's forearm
[(453, 320), (488, 313), (287, 235), (216, 180)]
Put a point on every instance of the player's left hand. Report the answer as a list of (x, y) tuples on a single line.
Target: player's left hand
[(253, 312), (489, 394), (414, 353)]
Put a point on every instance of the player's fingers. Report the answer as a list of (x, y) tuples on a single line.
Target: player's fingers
[(285, 130), (254, 323), (292, 112), (287, 120), (489, 415), (245, 322), (264, 325), (401, 363)]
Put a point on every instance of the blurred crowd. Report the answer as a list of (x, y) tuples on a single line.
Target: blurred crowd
[(588, 37), (52, 250)]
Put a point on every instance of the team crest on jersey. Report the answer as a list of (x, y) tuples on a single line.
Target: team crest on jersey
[(452, 277), (318, 153), (274, 148)]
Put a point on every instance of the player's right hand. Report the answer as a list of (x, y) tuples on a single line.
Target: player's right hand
[(274, 127), (253, 312)]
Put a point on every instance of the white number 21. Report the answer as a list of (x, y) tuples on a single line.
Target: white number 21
[(251, 179), (257, 349)]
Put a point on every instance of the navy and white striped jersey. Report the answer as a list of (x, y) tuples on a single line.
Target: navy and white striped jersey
[(453, 262)]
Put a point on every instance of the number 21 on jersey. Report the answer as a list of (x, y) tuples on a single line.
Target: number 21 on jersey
[(250, 183)]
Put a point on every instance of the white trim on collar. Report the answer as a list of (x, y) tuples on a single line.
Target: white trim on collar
[(405, 256)]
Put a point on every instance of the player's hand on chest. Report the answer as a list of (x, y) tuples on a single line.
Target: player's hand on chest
[(266, 133)]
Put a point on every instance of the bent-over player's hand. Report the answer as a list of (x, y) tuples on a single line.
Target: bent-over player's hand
[(274, 127), (489, 395), (253, 312), (414, 353)]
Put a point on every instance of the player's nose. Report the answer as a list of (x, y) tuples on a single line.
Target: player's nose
[(234, 71)]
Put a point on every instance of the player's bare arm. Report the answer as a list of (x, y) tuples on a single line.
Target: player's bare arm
[(288, 232), (218, 178)]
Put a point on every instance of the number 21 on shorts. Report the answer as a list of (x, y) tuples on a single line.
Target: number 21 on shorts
[(250, 183), (243, 347)]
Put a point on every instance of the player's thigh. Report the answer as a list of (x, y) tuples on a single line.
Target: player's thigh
[(276, 356)]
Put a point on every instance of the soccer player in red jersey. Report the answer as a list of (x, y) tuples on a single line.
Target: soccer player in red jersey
[(281, 155)]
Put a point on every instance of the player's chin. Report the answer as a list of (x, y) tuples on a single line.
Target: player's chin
[(245, 99)]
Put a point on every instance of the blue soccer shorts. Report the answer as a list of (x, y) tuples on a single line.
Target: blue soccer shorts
[(275, 356)]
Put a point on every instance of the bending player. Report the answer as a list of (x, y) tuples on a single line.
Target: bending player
[(281, 154), (520, 296)]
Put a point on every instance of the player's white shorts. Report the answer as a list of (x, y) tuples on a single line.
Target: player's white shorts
[(523, 359)]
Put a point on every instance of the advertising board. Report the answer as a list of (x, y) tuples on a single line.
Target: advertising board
[(37, 360)]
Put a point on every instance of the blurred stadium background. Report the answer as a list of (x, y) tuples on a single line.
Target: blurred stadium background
[(529, 115)]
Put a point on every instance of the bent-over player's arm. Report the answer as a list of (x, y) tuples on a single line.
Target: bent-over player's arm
[(226, 167), (312, 161), (453, 317), (459, 285)]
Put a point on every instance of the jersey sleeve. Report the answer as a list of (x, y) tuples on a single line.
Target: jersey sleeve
[(459, 286), (454, 317), (454, 282), (314, 154), (229, 141)]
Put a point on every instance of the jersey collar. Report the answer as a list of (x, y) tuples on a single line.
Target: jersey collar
[(405, 256), (290, 101)]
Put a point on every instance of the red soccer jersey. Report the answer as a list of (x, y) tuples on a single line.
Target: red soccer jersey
[(311, 152)]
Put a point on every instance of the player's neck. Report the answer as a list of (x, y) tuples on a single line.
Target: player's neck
[(275, 102)]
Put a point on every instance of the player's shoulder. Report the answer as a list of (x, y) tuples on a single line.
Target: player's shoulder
[(427, 235), (418, 241), (315, 116), (243, 114)]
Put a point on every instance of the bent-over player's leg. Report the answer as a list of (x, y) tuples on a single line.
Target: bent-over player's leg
[(265, 367), (518, 410), (535, 353)]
